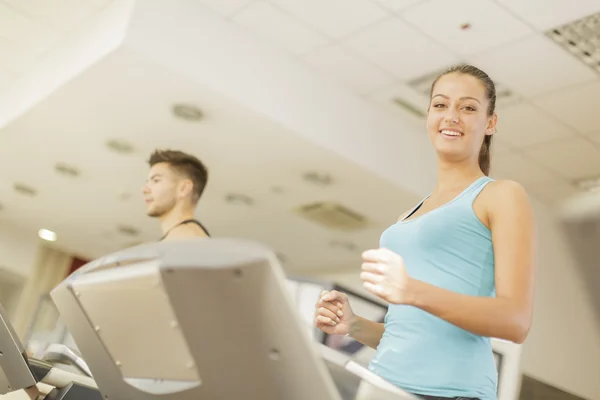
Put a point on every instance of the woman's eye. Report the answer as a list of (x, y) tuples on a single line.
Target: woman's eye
[(470, 108), (439, 105)]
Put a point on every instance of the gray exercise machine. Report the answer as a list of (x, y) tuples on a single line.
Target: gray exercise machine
[(19, 373), (198, 319)]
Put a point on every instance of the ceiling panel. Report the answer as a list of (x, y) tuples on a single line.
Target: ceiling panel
[(336, 18), (387, 99), (277, 27), (5, 79), (490, 24), (546, 14), (349, 69), (225, 7), (62, 15), (15, 58), (24, 31), (392, 42), (517, 167), (523, 125), (542, 66), (396, 5), (570, 158), (595, 138), (577, 106)]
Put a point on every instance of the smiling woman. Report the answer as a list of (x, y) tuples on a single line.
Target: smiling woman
[(456, 269)]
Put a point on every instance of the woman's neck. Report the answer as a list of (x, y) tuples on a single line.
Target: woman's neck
[(456, 176)]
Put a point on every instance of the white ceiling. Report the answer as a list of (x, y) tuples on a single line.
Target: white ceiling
[(547, 138), (246, 154), (31, 29), (372, 48)]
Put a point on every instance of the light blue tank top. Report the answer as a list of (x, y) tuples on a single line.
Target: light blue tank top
[(451, 248)]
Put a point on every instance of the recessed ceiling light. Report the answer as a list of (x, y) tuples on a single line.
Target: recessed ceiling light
[(119, 146), (128, 230), (65, 169), (343, 245), (125, 196), (187, 112), (47, 235), (317, 178), (23, 189), (238, 198)]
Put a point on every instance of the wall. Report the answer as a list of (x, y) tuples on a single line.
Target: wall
[(18, 249), (563, 347)]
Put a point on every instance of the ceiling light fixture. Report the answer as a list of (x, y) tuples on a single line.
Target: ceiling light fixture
[(187, 112), (67, 170), (119, 146), (124, 196), (23, 189), (343, 245), (47, 235), (317, 178), (238, 198), (128, 230)]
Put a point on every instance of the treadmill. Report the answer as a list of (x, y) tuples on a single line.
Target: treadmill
[(49, 378), (199, 319)]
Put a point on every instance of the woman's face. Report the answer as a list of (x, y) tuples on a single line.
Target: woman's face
[(457, 119)]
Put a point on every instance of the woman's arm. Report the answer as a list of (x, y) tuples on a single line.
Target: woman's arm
[(508, 315), (366, 331)]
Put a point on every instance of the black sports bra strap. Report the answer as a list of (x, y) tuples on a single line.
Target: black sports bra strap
[(187, 221)]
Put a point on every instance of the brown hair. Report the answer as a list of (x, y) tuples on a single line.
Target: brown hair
[(490, 91), (186, 165)]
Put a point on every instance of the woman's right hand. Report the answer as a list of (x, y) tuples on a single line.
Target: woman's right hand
[(333, 314)]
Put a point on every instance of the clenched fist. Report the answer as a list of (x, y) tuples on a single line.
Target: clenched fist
[(333, 314)]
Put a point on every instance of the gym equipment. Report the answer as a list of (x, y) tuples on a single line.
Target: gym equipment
[(196, 319), (18, 372)]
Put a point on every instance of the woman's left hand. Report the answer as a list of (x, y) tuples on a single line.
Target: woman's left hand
[(384, 275)]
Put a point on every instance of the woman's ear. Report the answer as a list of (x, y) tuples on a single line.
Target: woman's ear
[(491, 128)]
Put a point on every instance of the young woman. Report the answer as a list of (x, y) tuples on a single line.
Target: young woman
[(456, 269)]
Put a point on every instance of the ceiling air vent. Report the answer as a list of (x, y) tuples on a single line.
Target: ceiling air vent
[(409, 107), (333, 216), (581, 38)]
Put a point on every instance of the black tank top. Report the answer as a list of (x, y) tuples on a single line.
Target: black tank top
[(187, 221)]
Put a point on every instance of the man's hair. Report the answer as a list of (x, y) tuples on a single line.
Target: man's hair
[(186, 165)]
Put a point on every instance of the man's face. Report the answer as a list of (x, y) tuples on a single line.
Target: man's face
[(160, 191)]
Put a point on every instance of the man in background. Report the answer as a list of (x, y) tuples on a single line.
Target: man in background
[(174, 186)]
